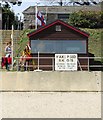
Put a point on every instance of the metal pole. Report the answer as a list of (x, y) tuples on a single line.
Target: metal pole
[(36, 17), (46, 13), (18, 28), (38, 60), (20, 22), (18, 64), (38, 70), (26, 66), (12, 36), (53, 63), (88, 63)]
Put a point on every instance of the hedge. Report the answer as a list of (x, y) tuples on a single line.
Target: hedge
[(86, 19)]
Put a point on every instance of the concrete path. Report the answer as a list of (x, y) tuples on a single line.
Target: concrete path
[(50, 104)]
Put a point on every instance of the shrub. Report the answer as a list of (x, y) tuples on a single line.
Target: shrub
[(86, 19)]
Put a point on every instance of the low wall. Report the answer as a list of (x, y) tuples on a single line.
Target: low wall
[(50, 81), (80, 97)]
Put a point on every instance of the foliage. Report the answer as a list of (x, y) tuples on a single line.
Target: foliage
[(9, 19), (23, 41), (87, 19)]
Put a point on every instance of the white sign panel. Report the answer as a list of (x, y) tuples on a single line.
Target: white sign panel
[(66, 62)]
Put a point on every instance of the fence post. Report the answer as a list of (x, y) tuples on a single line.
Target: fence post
[(88, 63), (26, 66), (53, 63), (38, 60), (18, 64)]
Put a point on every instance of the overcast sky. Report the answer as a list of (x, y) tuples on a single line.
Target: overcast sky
[(19, 9), (26, 3)]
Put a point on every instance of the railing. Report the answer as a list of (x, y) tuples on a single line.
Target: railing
[(93, 62), (90, 64), (36, 65)]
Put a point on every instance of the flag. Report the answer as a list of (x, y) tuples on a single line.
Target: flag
[(40, 19)]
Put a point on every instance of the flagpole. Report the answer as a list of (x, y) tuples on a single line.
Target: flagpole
[(36, 17), (46, 12)]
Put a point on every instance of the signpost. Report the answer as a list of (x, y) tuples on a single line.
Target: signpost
[(66, 62)]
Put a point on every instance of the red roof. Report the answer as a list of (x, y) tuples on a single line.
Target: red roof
[(60, 22)]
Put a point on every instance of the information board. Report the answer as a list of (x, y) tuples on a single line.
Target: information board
[(66, 62)]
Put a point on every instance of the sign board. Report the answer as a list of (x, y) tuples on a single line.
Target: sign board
[(66, 62)]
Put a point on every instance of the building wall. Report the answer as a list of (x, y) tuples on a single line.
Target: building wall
[(51, 12), (51, 34), (51, 17), (29, 20)]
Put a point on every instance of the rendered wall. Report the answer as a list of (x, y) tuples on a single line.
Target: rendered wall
[(51, 81)]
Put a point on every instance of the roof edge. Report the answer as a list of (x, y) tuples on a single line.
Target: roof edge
[(61, 22)]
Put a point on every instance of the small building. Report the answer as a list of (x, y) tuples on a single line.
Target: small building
[(58, 37), (52, 13)]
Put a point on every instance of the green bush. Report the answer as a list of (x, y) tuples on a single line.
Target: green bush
[(86, 19)]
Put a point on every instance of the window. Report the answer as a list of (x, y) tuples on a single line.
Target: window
[(63, 16), (58, 28), (58, 46)]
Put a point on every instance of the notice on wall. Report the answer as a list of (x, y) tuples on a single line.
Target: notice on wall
[(66, 62)]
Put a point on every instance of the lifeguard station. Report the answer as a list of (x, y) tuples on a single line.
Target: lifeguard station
[(58, 37)]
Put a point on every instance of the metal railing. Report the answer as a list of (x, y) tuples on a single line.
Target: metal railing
[(36, 65), (91, 63)]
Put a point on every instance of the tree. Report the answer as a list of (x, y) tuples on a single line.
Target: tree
[(86, 19), (8, 19)]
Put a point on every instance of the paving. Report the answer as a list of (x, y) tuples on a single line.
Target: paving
[(50, 104)]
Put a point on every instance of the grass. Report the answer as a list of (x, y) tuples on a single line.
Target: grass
[(95, 41)]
